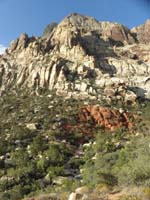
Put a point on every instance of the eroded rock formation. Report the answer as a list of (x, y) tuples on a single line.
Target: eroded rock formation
[(108, 118), (79, 57), (143, 32)]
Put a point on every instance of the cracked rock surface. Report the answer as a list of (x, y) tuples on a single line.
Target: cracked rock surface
[(78, 57)]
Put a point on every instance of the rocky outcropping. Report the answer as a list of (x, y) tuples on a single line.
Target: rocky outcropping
[(91, 116), (48, 30), (142, 33), (108, 118), (79, 57), (80, 193), (120, 93)]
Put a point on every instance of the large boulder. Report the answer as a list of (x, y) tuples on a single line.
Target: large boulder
[(80, 194)]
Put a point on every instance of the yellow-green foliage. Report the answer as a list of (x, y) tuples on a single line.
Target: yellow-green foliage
[(146, 193), (129, 197)]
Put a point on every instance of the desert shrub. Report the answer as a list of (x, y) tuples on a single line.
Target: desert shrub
[(20, 158), (100, 170), (133, 164), (100, 160), (41, 164), (129, 197), (38, 145), (55, 155), (3, 146), (33, 159), (54, 171), (127, 165), (5, 195), (70, 184)]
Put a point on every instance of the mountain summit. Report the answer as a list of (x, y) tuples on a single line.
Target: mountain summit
[(79, 57)]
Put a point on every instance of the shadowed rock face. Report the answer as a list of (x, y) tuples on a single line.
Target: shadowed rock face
[(79, 57), (48, 30)]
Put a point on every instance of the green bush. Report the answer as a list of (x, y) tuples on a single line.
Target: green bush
[(38, 145), (133, 164)]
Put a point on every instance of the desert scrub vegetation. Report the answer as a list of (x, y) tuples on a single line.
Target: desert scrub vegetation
[(38, 152), (121, 157)]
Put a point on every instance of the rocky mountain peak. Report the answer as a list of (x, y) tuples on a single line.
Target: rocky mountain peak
[(81, 21), (142, 32), (79, 57), (49, 28)]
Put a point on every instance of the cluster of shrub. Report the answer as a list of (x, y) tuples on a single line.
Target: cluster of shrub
[(31, 159)]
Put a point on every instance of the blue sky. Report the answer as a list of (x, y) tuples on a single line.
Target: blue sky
[(31, 16)]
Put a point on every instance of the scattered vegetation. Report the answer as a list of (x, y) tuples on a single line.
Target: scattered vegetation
[(39, 154)]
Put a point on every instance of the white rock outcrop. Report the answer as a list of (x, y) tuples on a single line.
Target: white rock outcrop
[(79, 56)]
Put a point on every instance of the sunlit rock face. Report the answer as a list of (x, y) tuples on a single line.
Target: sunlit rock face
[(142, 32), (79, 57), (108, 118)]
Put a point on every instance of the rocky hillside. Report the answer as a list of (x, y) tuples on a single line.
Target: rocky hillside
[(79, 57), (75, 112)]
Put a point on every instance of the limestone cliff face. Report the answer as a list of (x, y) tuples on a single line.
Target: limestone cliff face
[(79, 57)]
